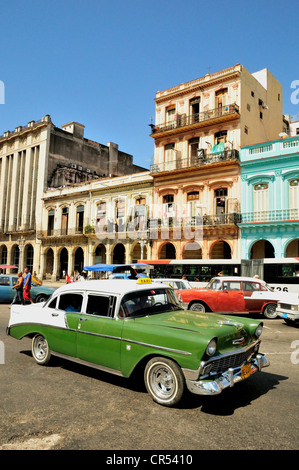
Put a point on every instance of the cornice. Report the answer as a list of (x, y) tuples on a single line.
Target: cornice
[(202, 85)]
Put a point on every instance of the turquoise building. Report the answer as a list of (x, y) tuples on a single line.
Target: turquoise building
[(269, 223)]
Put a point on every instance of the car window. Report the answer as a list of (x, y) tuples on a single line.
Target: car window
[(231, 285), (52, 304), (14, 281), (4, 281), (251, 286), (100, 305), (70, 302), (214, 285)]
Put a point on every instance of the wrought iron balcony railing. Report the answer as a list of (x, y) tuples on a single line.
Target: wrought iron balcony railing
[(194, 162), (182, 120), (284, 215)]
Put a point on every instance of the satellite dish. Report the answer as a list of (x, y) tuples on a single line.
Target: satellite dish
[(283, 135)]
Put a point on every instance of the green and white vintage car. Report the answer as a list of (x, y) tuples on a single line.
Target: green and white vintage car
[(119, 326)]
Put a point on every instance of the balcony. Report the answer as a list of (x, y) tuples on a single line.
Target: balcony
[(182, 122), (282, 215), (194, 162)]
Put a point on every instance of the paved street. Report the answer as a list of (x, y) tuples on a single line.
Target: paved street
[(67, 406)]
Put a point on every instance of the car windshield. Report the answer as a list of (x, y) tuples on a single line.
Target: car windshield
[(149, 302)]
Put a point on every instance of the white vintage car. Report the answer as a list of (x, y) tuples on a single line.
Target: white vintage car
[(289, 311), (175, 283)]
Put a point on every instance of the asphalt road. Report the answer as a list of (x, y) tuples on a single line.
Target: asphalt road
[(72, 407)]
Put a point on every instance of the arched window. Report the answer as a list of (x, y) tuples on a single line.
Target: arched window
[(261, 201), (193, 208), (80, 219), (170, 156), (51, 216), (64, 220), (220, 196)]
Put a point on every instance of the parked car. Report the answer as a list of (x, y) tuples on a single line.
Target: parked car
[(7, 293), (233, 295), (139, 326), (289, 311), (177, 284)]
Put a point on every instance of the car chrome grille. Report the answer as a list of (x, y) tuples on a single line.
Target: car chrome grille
[(223, 363), (286, 306)]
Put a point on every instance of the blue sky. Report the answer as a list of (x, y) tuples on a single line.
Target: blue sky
[(100, 63)]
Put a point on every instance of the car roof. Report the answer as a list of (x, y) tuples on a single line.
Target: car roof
[(109, 286), (238, 278)]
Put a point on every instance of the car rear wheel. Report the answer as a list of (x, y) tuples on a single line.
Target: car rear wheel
[(198, 307), (41, 298), (164, 381), (40, 350), (270, 311)]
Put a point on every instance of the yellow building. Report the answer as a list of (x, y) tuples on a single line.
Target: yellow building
[(198, 131)]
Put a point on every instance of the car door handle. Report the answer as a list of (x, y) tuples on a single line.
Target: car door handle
[(83, 319), (55, 314)]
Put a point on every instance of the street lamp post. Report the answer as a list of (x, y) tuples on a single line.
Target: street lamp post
[(21, 242)]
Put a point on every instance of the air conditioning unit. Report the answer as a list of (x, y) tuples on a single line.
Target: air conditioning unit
[(88, 170), (80, 167)]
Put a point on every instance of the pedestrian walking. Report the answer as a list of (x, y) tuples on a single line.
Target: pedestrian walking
[(18, 299), (27, 286)]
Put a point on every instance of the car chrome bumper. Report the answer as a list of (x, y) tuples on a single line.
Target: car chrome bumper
[(288, 314), (227, 379)]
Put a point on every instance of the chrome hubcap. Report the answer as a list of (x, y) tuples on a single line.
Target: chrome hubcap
[(40, 348), (162, 381)]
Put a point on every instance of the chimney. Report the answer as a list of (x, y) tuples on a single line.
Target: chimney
[(74, 128)]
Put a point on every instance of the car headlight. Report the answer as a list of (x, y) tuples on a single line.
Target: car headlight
[(259, 330), (211, 348)]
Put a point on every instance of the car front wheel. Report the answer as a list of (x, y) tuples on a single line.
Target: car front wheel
[(164, 381), (270, 311), (40, 350)]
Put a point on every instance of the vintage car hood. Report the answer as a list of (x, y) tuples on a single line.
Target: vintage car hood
[(190, 329), (204, 323)]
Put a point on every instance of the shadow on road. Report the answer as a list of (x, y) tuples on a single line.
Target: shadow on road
[(225, 404), (239, 396)]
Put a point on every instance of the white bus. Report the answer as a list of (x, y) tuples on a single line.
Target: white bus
[(281, 274)]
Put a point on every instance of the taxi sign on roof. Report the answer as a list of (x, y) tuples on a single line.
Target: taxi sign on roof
[(144, 280)]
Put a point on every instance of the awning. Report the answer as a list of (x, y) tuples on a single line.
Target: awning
[(118, 267), (6, 266)]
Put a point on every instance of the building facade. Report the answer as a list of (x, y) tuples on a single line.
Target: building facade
[(198, 131), (38, 156), (270, 199), (102, 221)]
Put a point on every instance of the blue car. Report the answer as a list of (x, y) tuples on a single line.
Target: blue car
[(7, 293)]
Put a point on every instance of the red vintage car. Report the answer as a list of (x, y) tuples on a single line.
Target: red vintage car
[(232, 295)]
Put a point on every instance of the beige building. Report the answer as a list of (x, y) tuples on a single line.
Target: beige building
[(102, 221), (198, 131)]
